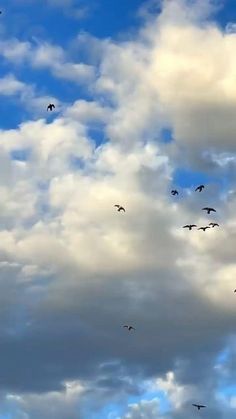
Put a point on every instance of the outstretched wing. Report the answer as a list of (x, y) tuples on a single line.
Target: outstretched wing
[(126, 326), (197, 189), (193, 225), (187, 226), (206, 208), (118, 206), (212, 209)]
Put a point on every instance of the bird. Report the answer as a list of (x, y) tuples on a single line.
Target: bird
[(120, 208), (208, 210), (199, 406), (129, 327), (235, 290), (203, 228), (174, 192), (213, 224), (190, 226), (50, 106), (199, 188)]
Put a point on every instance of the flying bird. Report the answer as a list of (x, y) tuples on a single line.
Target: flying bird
[(199, 406), (208, 210), (174, 192), (199, 188), (203, 228), (50, 106), (120, 208), (213, 224), (129, 327), (190, 226)]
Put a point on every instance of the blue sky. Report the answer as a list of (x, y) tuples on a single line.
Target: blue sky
[(145, 102)]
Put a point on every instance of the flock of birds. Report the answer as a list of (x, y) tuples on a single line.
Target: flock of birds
[(174, 192), (208, 209)]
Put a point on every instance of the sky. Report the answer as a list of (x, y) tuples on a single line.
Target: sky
[(145, 102)]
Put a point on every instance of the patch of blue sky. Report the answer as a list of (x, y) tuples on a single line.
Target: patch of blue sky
[(226, 13), (96, 133), (104, 19), (166, 135), (223, 356), (11, 113), (186, 178), (20, 154), (163, 401), (228, 391)]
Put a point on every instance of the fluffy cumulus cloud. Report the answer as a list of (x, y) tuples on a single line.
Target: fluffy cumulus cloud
[(73, 270)]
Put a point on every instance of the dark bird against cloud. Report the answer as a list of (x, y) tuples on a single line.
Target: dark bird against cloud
[(129, 327), (199, 188), (190, 226), (203, 228), (213, 224), (120, 208), (174, 192), (50, 107), (208, 210), (199, 406)]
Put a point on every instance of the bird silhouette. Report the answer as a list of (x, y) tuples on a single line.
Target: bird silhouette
[(213, 224), (119, 208), (203, 228), (208, 210), (50, 106), (199, 188), (129, 327), (174, 192), (199, 406), (190, 226)]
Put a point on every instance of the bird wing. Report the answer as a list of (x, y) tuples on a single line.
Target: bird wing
[(197, 189), (206, 208), (196, 405), (193, 225), (131, 327), (201, 228), (126, 326), (122, 209), (201, 405), (118, 206), (187, 226), (53, 106), (212, 209)]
